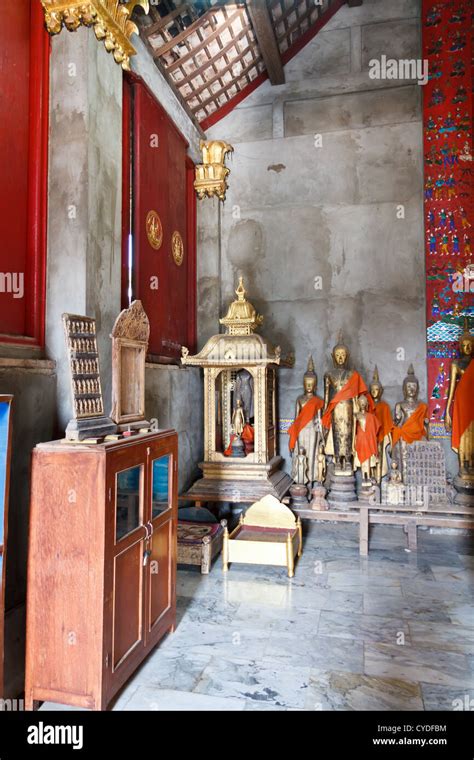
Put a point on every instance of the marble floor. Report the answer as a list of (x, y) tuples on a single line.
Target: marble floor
[(394, 631)]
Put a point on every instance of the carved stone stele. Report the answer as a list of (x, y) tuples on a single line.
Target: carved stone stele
[(130, 336)]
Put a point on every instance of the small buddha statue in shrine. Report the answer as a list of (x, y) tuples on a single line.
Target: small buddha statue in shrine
[(384, 415), (236, 446), (411, 419), (238, 419), (342, 386), (366, 441), (306, 431), (459, 417), (243, 391)]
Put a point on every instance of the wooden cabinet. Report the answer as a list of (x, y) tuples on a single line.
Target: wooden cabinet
[(102, 565)]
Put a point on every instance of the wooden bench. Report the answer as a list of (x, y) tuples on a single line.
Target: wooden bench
[(408, 517)]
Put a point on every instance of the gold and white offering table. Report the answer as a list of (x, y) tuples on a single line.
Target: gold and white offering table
[(225, 359)]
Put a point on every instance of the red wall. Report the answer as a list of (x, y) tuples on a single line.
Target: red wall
[(160, 182), (449, 190), (24, 58)]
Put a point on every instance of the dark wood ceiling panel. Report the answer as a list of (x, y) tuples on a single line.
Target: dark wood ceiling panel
[(213, 52)]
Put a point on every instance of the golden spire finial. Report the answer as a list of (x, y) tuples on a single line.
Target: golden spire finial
[(240, 290), (375, 376), (411, 371), (241, 317)]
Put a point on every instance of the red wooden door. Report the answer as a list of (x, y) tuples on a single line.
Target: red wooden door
[(24, 76), (14, 101), (157, 184), (150, 194)]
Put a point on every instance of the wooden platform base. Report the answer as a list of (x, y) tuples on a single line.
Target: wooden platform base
[(446, 516), (276, 483)]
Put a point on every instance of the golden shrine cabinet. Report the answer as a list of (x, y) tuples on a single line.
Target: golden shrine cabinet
[(102, 564)]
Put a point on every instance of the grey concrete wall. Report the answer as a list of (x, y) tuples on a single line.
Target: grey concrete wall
[(174, 399), (295, 211), (85, 195), (33, 385)]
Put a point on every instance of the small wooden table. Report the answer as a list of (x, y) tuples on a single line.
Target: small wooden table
[(408, 517)]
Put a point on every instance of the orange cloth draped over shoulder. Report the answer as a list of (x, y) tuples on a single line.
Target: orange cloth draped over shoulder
[(384, 416), (414, 428), (463, 405), (366, 442), (307, 413), (354, 387)]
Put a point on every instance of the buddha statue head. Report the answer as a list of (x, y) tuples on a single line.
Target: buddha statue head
[(310, 379), (466, 341), (362, 402), (340, 353), (376, 387), (411, 385)]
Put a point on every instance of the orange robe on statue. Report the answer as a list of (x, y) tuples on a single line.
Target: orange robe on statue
[(247, 435), (366, 442), (307, 414), (384, 416), (414, 428), (354, 387), (463, 405)]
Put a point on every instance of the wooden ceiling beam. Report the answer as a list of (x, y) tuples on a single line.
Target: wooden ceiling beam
[(216, 95), (222, 73), (210, 38), (222, 52), (266, 38), (165, 20)]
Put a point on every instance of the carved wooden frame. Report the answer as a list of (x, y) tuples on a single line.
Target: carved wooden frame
[(130, 336)]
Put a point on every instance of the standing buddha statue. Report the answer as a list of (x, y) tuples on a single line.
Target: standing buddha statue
[(411, 419), (384, 416), (366, 441), (459, 417), (306, 432), (342, 386)]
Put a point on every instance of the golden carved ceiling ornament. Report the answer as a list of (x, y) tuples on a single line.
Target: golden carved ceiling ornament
[(109, 18), (211, 175), (177, 248)]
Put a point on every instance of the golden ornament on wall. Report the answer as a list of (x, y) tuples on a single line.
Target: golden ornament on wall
[(177, 248), (109, 18), (211, 175), (154, 230)]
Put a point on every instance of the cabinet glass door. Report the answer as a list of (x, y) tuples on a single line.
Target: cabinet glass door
[(128, 489), (127, 622), (160, 560), (160, 488)]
